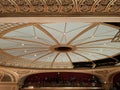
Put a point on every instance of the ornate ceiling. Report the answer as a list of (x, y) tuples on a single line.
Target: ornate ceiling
[(57, 45), (11, 8)]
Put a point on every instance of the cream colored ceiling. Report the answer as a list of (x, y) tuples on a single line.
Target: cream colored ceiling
[(33, 45)]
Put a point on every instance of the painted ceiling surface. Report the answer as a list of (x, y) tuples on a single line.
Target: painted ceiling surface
[(56, 45)]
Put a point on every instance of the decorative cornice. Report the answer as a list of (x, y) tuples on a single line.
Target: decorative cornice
[(60, 8)]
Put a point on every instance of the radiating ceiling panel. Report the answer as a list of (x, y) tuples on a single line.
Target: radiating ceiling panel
[(57, 45)]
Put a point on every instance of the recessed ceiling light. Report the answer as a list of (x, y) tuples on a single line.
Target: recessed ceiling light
[(22, 44), (64, 33), (25, 51), (36, 37), (104, 82), (35, 55), (92, 36)]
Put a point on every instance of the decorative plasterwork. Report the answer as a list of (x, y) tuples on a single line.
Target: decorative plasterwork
[(6, 77), (59, 8), (7, 26)]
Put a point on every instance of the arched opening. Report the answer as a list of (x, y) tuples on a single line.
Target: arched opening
[(7, 81), (8, 76), (60, 79), (4, 77), (116, 82)]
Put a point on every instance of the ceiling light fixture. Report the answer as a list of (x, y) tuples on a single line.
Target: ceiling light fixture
[(35, 55), (25, 51), (36, 37), (22, 44), (64, 33), (92, 36)]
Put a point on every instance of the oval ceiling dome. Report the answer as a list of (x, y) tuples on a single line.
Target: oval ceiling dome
[(56, 45)]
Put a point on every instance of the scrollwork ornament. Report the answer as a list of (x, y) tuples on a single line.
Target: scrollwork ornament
[(89, 2), (100, 8), (104, 2), (5, 2), (36, 2), (66, 2), (1, 9), (114, 8), (53, 8), (10, 9), (59, 7), (67, 9), (117, 3), (21, 2), (39, 8), (24, 8), (85, 8), (67, 6), (51, 2)]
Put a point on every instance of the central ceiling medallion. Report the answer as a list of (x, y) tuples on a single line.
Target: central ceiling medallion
[(63, 48)]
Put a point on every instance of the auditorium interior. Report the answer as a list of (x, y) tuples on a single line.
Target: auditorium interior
[(59, 44)]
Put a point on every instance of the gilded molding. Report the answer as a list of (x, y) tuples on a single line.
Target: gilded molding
[(59, 8)]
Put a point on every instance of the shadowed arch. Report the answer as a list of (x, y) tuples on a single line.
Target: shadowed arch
[(8, 76), (60, 79)]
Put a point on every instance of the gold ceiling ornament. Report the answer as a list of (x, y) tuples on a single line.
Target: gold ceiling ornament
[(5, 77), (117, 37), (56, 45), (1, 75), (59, 8)]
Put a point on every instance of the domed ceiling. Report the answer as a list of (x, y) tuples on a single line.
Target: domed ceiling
[(57, 45)]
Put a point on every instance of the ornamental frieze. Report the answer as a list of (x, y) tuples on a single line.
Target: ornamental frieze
[(59, 8)]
